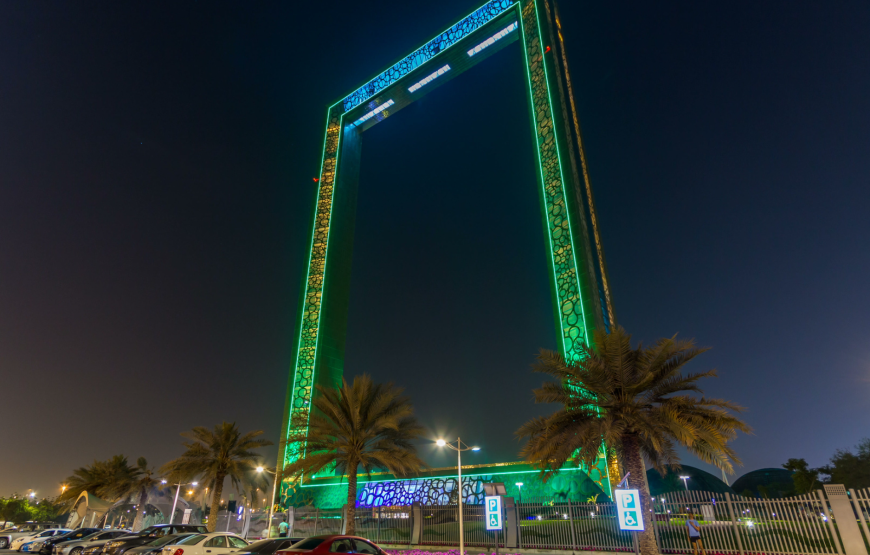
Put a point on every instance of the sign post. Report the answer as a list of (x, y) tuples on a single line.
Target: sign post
[(493, 515)]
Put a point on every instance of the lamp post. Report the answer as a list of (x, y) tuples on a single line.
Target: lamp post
[(177, 490), (459, 449), (519, 486), (685, 480), (271, 501)]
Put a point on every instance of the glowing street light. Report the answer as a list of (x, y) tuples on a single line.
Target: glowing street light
[(519, 486), (459, 449), (685, 480), (175, 502)]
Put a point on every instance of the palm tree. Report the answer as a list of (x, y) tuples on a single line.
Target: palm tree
[(364, 425), (102, 478), (632, 400), (140, 482), (213, 455)]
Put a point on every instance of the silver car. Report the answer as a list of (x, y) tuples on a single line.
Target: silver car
[(26, 529), (76, 547)]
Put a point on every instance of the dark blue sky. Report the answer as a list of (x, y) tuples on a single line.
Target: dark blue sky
[(156, 165)]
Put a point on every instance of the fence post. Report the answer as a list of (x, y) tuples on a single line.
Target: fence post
[(847, 524), (860, 512), (316, 514), (734, 525), (380, 514), (416, 523), (655, 524), (830, 520), (571, 522), (344, 519)]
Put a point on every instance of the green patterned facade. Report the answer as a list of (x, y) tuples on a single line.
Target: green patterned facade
[(439, 486), (579, 285)]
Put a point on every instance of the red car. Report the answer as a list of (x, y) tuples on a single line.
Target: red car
[(325, 545)]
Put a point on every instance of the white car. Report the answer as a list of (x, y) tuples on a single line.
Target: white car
[(18, 542), (214, 543)]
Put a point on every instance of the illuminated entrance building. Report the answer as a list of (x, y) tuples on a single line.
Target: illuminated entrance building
[(580, 290)]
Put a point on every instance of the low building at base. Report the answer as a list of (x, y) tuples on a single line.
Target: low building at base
[(438, 486)]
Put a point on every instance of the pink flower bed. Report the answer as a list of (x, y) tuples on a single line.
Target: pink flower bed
[(424, 552)]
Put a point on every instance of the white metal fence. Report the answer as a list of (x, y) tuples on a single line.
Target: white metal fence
[(730, 525)]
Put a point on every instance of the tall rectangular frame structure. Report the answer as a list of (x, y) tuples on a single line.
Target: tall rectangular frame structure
[(579, 283)]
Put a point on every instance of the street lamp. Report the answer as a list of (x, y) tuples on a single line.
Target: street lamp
[(271, 501), (459, 449), (174, 503), (519, 486), (685, 480)]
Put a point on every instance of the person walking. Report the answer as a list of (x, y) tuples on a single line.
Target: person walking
[(282, 529), (694, 531)]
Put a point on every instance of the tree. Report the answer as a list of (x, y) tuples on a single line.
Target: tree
[(213, 455), (363, 425), (632, 400), (804, 477), (15, 509), (140, 482), (850, 469), (106, 479)]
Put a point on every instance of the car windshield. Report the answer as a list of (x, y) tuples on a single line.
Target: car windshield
[(307, 544), (192, 540), (175, 538)]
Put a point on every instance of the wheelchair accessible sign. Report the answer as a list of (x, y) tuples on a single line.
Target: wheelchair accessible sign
[(493, 512), (628, 510)]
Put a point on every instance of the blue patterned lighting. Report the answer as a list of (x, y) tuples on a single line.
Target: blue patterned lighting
[(442, 42)]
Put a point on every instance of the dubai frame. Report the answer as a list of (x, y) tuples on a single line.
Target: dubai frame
[(579, 284)]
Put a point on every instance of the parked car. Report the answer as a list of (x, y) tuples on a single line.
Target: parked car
[(322, 545), (46, 546), (268, 547), (12, 533), (75, 547), (154, 547), (213, 543), (18, 542), (122, 544)]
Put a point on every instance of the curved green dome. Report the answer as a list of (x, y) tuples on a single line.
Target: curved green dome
[(699, 480), (775, 481)]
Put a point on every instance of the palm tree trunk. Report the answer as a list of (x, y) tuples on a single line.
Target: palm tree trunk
[(351, 500), (633, 462), (140, 511), (216, 502)]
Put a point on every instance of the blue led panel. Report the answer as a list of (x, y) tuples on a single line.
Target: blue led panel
[(442, 42)]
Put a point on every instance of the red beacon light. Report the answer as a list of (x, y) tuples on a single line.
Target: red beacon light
[(547, 50), (316, 180)]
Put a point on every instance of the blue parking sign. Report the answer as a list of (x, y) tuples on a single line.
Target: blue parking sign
[(628, 509), (492, 504)]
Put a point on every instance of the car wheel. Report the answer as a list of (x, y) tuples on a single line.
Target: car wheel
[(76, 551), (4, 543)]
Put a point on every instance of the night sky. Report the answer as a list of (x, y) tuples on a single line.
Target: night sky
[(156, 165)]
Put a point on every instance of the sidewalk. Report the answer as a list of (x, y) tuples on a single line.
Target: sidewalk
[(421, 549)]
